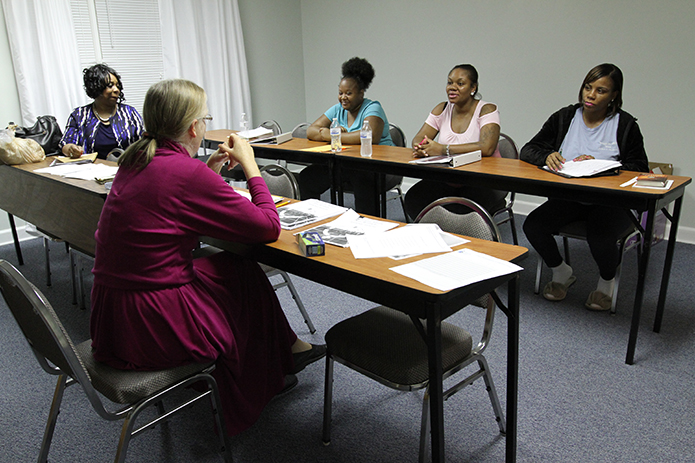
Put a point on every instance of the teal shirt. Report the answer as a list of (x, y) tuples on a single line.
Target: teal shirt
[(369, 108)]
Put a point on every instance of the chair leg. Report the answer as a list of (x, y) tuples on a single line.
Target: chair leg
[(48, 261), (401, 197), (425, 426), (52, 418), (328, 401), (298, 300), (492, 392), (512, 223)]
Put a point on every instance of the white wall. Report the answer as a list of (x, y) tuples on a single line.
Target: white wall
[(532, 56), (273, 42)]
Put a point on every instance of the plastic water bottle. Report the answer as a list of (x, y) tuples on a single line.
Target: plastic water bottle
[(244, 124), (336, 145), (366, 140)]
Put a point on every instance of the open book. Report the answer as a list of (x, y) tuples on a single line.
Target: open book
[(587, 168)]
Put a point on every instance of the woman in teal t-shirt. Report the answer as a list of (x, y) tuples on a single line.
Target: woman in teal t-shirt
[(351, 111)]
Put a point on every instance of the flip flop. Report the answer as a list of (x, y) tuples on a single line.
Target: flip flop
[(554, 291)]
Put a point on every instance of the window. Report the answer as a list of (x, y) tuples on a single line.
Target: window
[(126, 35)]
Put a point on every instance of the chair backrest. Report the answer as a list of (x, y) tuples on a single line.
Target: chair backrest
[(397, 135), (280, 181), (300, 130), (272, 125), (41, 327), (478, 223), (114, 154), (507, 147)]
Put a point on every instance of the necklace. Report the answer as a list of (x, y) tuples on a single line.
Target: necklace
[(94, 108)]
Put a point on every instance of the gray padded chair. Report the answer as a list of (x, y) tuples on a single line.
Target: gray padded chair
[(74, 364), (281, 182), (630, 238), (272, 125), (395, 182), (300, 130), (385, 345), (509, 150)]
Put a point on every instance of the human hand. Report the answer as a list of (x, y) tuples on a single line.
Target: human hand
[(583, 157), (554, 161), (72, 150), (427, 148), (238, 151)]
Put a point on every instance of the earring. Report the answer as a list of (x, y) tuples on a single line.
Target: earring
[(472, 93)]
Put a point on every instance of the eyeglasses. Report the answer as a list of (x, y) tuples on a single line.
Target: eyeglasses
[(207, 118)]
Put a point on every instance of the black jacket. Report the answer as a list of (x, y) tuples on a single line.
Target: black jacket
[(549, 139)]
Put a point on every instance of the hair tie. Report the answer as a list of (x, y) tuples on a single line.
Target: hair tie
[(149, 135)]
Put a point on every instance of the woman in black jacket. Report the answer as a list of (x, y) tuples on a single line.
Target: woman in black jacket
[(594, 128)]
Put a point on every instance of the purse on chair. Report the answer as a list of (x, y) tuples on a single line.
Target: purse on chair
[(46, 132)]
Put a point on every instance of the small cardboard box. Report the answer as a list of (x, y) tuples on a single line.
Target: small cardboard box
[(311, 244)]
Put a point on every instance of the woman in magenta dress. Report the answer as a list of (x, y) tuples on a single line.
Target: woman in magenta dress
[(153, 305)]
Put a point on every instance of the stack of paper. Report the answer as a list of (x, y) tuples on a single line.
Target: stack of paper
[(586, 168), (303, 213)]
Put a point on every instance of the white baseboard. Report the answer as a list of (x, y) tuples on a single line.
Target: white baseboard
[(6, 235)]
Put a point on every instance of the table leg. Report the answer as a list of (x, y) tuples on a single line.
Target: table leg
[(667, 264), (434, 342), (512, 368), (17, 248), (381, 196), (641, 277)]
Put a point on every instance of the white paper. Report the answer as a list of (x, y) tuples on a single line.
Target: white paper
[(348, 224), (450, 239), (455, 269), (303, 213), (403, 240), (255, 133), (586, 167), (247, 195), (82, 171)]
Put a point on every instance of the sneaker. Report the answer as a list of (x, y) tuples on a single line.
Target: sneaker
[(554, 291), (598, 301)]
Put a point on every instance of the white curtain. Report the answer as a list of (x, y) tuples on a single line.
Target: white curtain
[(45, 58), (203, 42), (201, 39)]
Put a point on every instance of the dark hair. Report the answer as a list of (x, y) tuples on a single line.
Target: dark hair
[(96, 79), (472, 74), (616, 75), (360, 70)]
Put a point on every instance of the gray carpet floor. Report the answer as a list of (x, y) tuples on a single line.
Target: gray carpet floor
[(578, 400)]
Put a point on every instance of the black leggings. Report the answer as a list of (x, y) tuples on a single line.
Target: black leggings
[(314, 180), (604, 225)]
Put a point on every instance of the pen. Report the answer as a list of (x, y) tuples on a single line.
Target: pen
[(283, 203)]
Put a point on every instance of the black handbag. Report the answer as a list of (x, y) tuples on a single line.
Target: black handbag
[(46, 132)]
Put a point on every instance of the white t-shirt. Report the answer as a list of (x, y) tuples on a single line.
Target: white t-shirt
[(600, 142)]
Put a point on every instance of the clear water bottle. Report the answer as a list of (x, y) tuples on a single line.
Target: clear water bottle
[(244, 123), (336, 145), (366, 140)]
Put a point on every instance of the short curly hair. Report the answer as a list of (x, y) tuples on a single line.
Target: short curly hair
[(96, 79), (360, 71)]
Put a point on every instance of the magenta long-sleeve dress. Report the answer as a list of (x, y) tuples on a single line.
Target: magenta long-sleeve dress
[(154, 306)]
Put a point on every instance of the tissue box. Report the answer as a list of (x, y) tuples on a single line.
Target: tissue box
[(311, 244)]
